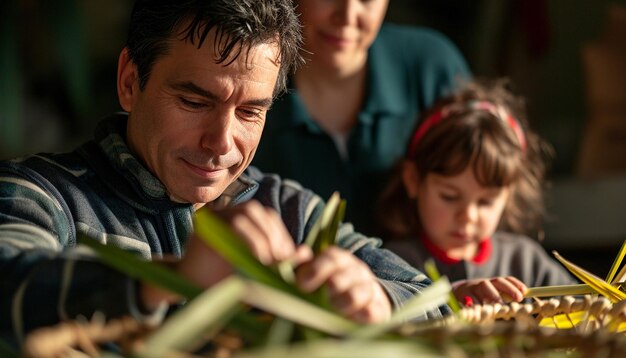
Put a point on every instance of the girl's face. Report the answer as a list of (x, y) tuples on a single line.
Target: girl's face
[(338, 33), (456, 212)]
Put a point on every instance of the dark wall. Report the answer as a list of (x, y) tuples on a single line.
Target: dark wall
[(536, 43), (57, 67)]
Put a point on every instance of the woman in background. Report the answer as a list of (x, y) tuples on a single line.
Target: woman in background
[(350, 109)]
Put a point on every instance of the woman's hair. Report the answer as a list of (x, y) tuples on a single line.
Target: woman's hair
[(482, 125)]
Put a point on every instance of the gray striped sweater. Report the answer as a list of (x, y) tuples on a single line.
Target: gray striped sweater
[(103, 191)]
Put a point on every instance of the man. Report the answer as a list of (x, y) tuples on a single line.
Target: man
[(196, 79)]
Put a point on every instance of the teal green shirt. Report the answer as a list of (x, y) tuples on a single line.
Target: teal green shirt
[(408, 69)]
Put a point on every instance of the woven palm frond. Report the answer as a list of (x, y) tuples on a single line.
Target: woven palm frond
[(501, 332), (263, 315)]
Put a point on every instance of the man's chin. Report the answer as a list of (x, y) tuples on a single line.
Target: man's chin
[(207, 196), (199, 197)]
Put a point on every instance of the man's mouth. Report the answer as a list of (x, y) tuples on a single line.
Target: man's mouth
[(207, 172)]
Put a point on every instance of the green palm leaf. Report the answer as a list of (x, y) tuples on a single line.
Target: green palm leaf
[(314, 236), (139, 269), (296, 309), (217, 235), (200, 319)]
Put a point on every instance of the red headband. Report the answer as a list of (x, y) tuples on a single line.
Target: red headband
[(448, 110)]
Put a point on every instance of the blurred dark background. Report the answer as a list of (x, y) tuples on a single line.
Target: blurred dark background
[(568, 58)]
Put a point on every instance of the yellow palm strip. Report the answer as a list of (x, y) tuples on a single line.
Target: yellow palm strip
[(600, 286), (616, 263), (563, 321), (569, 320), (620, 277), (559, 290)]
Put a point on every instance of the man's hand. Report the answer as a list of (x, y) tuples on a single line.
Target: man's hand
[(259, 227), (354, 290), (263, 231), (200, 265), (490, 290)]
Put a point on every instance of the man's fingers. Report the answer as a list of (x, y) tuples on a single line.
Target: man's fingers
[(262, 229), (201, 264), (313, 274), (250, 233), (353, 300), (353, 290), (269, 224), (280, 241), (377, 310), (302, 254)]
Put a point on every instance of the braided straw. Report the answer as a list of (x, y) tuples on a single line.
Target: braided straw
[(598, 308), (495, 329), (66, 337)]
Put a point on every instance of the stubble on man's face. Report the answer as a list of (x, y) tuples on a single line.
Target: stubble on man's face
[(197, 124)]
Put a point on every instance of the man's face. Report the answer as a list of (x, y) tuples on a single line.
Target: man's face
[(197, 124)]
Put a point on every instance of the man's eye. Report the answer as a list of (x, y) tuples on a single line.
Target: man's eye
[(191, 104), (485, 202), (250, 114)]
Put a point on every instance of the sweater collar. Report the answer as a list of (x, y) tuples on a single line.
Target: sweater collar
[(111, 138)]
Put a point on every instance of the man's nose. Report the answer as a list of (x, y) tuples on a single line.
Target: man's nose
[(218, 133)]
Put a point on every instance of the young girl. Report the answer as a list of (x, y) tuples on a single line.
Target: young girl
[(468, 189)]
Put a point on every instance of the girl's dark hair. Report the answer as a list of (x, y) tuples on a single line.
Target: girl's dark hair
[(486, 142), (240, 25)]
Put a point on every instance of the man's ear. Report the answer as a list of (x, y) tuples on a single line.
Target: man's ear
[(410, 178), (127, 80)]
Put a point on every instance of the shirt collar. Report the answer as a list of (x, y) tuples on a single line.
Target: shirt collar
[(483, 252), (384, 94)]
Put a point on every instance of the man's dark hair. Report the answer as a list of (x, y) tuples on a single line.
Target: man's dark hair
[(239, 24)]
